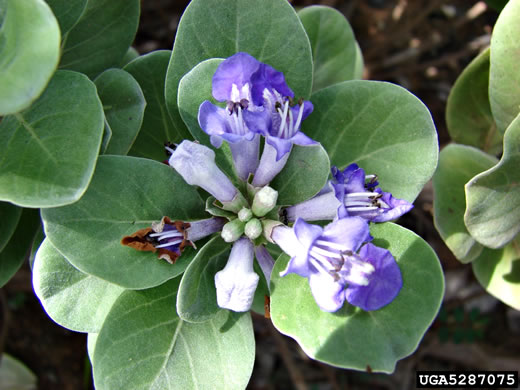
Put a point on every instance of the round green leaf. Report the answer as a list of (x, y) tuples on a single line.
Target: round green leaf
[(457, 165), (150, 72), (38, 239), (126, 194), (334, 47), (355, 339), (380, 126), (468, 113), (16, 250), (498, 271), (493, 197), (15, 375), (49, 151), (73, 299), (124, 105), (271, 33), (197, 297), (131, 54), (504, 78), (25, 69), (101, 37), (67, 12), (9, 215), (143, 344), (304, 175)]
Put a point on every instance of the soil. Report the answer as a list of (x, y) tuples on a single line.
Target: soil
[(422, 45)]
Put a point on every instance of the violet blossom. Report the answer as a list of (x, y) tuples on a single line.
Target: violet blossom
[(337, 264), (350, 193)]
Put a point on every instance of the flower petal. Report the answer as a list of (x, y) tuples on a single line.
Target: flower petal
[(351, 232), (266, 77), (385, 282), (328, 294), (237, 70), (397, 207)]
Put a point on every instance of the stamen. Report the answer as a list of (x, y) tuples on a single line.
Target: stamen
[(325, 252), (164, 235), (300, 116), (283, 120), (333, 245), (358, 203), (361, 194), (241, 129), (289, 128), (369, 208), (175, 242)]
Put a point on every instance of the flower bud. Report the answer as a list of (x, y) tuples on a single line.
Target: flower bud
[(232, 230), (245, 214), (264, 201), (253, 229)]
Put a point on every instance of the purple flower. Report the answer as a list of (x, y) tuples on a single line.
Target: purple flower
[(358, 196), (232, 84), (279, 122), (328, 257)]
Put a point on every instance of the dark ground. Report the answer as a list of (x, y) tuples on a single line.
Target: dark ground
[(422, 45)]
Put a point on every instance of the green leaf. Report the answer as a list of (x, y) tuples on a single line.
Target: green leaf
[(17, 249), (457, 165), (131, 54), (49, 151), (493, 197), (272, 33), (75, 300), (197, 297), (15, 375), (304, 175), (143, 344), (355, 339), (38, 239), (101, 37), (126, 194), (468, 113), (380, 126), (9, 215), (124, 105), (67, 12), (25, 69), (504, 78), (150, 72), (498, 271), (334, 47)]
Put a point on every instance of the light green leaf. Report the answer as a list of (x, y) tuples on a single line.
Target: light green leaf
[(17, 249), (157, 128), (73, 299), (493, 197), (355, 339), (457, 165), (498, 271), (144, 345), (272, 33), (25, 69), (197, 297), (504, 78), (101, 37), (49, 151), (304, 175), (38, 239), (126, 194), (15, 375), (67, 12), (124, 105), (468, 113), (9, 215), (380, 126), (334, 48)]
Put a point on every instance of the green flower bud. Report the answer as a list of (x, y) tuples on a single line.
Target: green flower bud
[(245, 214), (264, 201), (253, 229), (232, 230)]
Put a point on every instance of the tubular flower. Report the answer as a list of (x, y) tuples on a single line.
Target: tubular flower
[(329, 258), (358, 196), (169, 238), (236, 283), (232, 84), (350, 193)]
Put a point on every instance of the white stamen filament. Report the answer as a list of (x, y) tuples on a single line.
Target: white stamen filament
[(299, 119), (361, 195), (283, 122), (370, 208), (169, 149), (316, 249), (333, 245), (167, 234), (289, 128), (168, 244), (241, 125), (358, 203), (369, 177)]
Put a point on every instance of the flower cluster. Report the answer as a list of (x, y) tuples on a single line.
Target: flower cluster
[(258, 108)]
